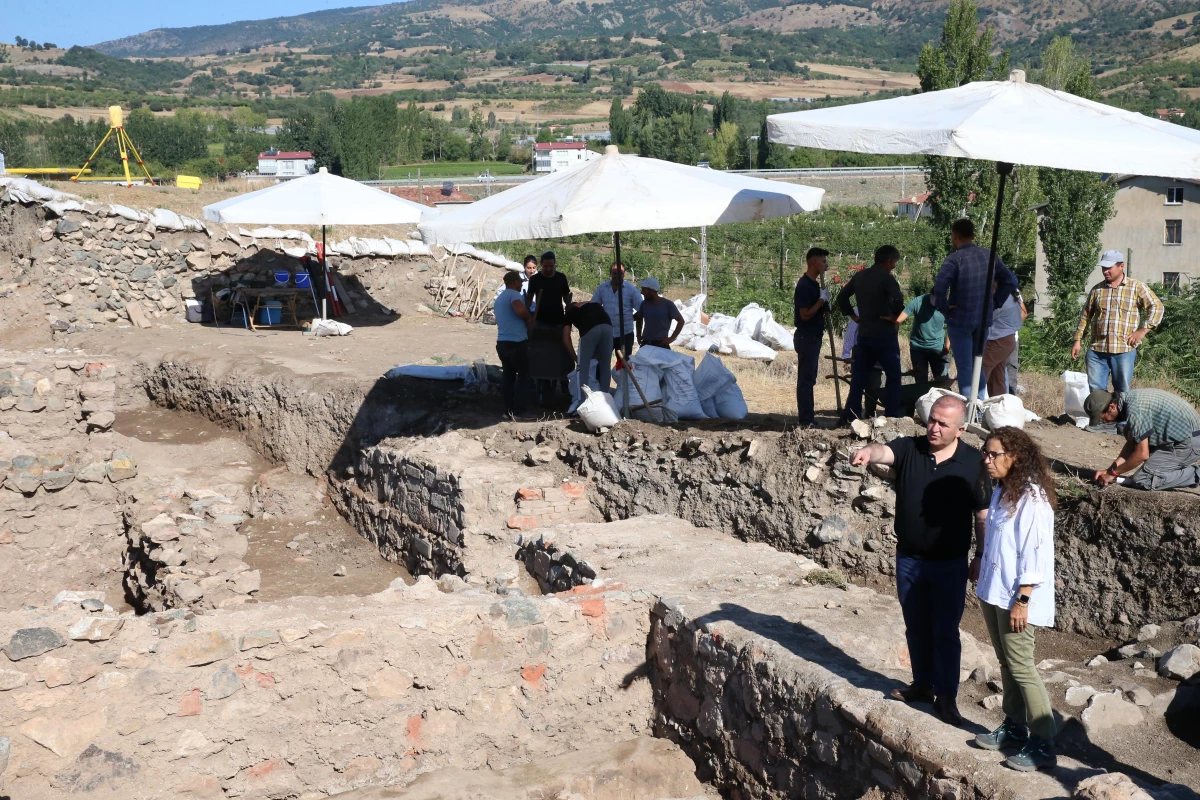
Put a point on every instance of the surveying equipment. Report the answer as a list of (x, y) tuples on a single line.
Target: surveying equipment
[(124, 144)]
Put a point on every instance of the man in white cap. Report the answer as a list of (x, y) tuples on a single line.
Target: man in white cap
[(1114, 309), (654, 317)]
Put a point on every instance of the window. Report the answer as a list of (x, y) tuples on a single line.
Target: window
[(1174, 195), (1174, 231), (1170, 282)]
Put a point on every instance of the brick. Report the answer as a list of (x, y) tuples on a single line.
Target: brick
[(529, 494), (575, 491), (532, 674), (592, 607), (262, 770), (191, 705), (522, 523)]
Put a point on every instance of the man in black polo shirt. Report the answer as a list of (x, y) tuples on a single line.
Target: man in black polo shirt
[(810, 305), (550, 292), (942, 492)]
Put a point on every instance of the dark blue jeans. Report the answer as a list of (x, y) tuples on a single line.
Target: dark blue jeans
[(932, 596), (808, 366), (869, 351)]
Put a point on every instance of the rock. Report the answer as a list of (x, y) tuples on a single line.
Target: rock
[(198, 260), (32, 404), (1106, 712), (539, 455), (65, 737), (95, 629), (188, 592), (861, 428), (992, 702), (1138, 695), (1079, 696), (12, 679), (96, 769), (141, 274), (247, 582), (65, 226), (65, 299), (29, 642), (54, 672), (92, 605), (813, 474), (1191, 626), (205, 648), (252, 641), (831, 530), (101, 421), (122, 467), (136, 315), (1148, 632), (1180, 662), (57, 479), (5, 747), (340, 572), (1097, 661), (223, 683), (1109, 786), (70, 597)]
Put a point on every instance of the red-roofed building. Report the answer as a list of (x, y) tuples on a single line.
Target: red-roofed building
[(293, 164), (553, 156), (913, 207)]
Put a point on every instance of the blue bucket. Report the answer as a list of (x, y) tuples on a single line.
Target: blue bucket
[(282, 277), (270, 313), (302, 280)]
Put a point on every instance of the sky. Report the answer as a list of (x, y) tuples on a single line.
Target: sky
[(71, 22)]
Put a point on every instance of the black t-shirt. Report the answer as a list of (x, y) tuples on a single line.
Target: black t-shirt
[(936, 503), (807, 293), (556, 295), (587, 316)]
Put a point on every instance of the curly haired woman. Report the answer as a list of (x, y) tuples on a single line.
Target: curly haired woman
[(1016, 592)]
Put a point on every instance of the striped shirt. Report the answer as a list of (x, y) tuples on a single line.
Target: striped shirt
[(1114, 314), (1158, 416)]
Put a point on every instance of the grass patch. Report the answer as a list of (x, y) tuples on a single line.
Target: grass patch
[(452, 169), (826, 577)]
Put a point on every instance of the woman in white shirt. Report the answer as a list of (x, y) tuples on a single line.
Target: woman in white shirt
[(1015, 574)]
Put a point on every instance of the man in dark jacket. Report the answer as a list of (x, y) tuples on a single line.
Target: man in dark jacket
[(810, 305), (879, 302)]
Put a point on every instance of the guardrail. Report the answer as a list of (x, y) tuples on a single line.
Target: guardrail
[(811, 172)]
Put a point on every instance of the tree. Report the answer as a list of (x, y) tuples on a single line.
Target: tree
[(543, 134), (725, 146), (491, 120), (1078, 204), (480, 146), (620, 126), (723, 110), (410, 141)]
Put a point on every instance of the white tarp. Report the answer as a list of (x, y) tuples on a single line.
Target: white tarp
[(1012, 121), (319, 199), (619, 193)]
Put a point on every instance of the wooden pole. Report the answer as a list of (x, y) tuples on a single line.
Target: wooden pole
[(837, 386)]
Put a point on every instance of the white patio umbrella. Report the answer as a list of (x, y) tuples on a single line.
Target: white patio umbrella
[(1009, 122), (619, 193), (318, 199)]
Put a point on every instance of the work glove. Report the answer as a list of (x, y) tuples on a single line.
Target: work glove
[(825, 295)]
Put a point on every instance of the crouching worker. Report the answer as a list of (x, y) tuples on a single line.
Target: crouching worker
[(512, 345), (1162, 438), (1015, 574), (595, 342)]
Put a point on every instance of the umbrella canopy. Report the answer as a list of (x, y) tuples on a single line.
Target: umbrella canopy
[(318, 199), (619, 193), (1008, 121)]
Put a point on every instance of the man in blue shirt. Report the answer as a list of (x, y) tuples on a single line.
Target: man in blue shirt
[(810, 305), (617, 295), (512, 344), (961, 292)]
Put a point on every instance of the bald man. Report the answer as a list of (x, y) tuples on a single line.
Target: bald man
[(942, 494)]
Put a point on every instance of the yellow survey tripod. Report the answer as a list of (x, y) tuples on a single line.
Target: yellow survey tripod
[(124, 144)]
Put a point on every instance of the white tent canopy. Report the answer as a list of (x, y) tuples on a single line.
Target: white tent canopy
[(1008, 121), (318, 199), (619, 193)]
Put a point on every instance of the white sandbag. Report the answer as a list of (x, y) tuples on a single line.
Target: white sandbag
[(598, 410), (329, 327), (513, 266), (772, 334), (704, 344), (1075, 391), (926, 401), (125, 212), (60, 207), (419, 249), (689, 333), (460, 249), (730, 404), (415, 235), (679, 389), (720, 322), (575, 385), (344, 248), (396, 247), (431, 372), (296, 252), (743, 346), (165, 220), (750, 319), (1003, 410), (649, 378), (711, 377), (692, 308)]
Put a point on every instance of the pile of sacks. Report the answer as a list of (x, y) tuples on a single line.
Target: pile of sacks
[(753, 333), (673, 386)]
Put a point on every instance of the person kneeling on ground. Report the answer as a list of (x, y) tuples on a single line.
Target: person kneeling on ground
[(595, 342), (1015, 574), (941, 495), (655, 316), (512, 344), (1162, 438)]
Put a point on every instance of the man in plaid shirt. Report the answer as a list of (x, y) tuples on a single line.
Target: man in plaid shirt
[(1112, 309)]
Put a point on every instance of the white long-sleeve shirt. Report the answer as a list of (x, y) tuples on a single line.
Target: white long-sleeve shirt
[(1018, 550)]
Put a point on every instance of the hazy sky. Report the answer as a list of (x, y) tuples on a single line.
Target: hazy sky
[(70, 22)]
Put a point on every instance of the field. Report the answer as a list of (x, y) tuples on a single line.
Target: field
[(452, 169)]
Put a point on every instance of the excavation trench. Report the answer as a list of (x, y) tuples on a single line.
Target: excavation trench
[(758, 710)]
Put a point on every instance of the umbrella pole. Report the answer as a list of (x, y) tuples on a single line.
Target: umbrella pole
[(323, 273), (837, 382), (621, 354), (1005, 169)]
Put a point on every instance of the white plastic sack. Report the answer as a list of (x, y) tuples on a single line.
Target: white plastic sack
[(711, 377), (720, 322), (772, 334), (575, 385), (743, 346), (419, 249), (750, 320), (329, 327), (599, 410), (704, 344), (1075, 391), (431, 372), (1003, 410), (730, 404), (926, 401), (679, 391), (689, 333), (648, 378), (692, 308)]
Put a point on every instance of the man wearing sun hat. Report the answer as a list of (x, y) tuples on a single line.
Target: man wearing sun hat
[(1162, 438), (1113, 310)]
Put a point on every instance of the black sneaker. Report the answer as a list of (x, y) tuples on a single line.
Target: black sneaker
[(1009, 734), (1036, 754)]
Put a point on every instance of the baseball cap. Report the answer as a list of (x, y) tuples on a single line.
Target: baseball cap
[(1095, 404), (649, 283), (1111, 257)]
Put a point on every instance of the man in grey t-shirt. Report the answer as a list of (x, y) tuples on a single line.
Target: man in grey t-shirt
[(655, 316)]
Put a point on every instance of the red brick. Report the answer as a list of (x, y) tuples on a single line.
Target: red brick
[(263, 769), (244, 671), (521, 523), (265, 679), (532, 674), (529, 494), (574, 490), (413, 728), (6, 537), (592, 606), (191, 705)]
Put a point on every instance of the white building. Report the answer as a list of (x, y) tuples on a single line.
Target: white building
[(553, 156), (292, 164), (913, 207)]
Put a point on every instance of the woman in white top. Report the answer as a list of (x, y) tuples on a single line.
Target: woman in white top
[(1015, 574)]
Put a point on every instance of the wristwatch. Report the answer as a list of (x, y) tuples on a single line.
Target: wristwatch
[(1023, 599)]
